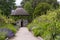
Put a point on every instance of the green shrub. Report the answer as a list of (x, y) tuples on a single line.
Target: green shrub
[(10, 27), (2, 36), (6, 23), (46, 26), (57, 37)]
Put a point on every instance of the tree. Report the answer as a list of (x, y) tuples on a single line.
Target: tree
[(54, 3), (6, 6), (41, 6), (41, 9), (28, 8)]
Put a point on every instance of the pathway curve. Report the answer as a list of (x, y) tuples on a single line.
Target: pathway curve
[(24, 34)]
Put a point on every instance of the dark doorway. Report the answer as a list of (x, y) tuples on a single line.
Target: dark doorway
[(21, 23)]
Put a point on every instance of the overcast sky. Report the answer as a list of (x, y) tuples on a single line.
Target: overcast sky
[(19, 1), (58, 0)]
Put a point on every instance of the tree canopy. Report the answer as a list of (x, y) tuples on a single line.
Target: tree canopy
[(42, 8), (54, 3), (6, 6)]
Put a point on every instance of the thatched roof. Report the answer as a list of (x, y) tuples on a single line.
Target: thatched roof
[(19, 11)]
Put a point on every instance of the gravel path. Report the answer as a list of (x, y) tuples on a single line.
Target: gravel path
[(24, 34)]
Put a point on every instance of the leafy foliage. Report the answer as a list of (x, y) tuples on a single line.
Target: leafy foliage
[(6, 6), (54, 3), (46, 26), (29, 9), (6, 23), (41, 9), (2, 36)]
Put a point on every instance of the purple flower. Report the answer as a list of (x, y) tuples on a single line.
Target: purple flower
[(10, 34)]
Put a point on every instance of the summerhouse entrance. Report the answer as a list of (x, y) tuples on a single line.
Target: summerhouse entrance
[(22, 22)]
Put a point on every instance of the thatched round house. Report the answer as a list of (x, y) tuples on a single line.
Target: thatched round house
[(20, 12)]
